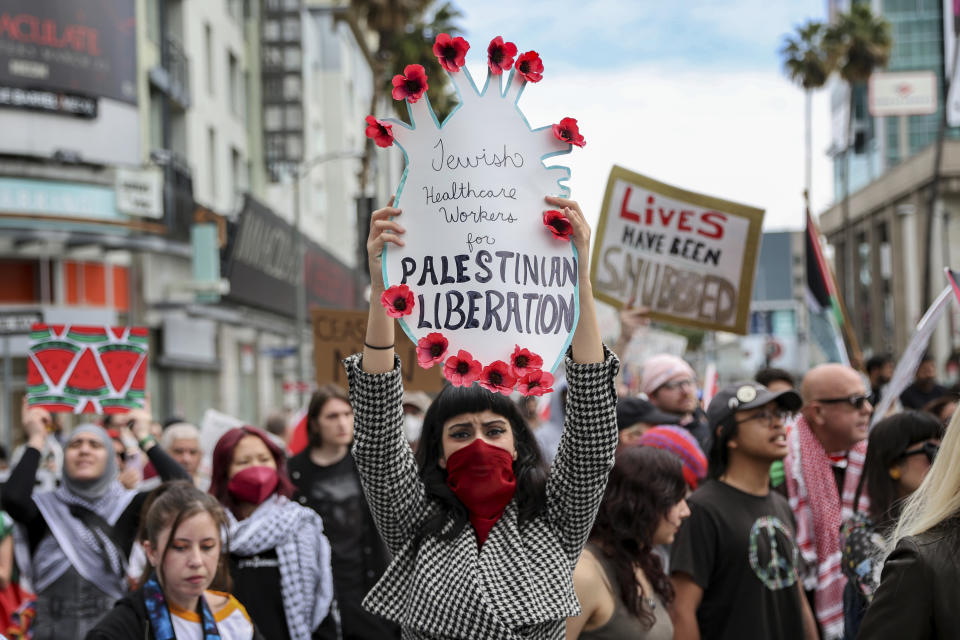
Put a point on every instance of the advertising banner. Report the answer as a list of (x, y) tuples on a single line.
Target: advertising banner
[(85, 48)]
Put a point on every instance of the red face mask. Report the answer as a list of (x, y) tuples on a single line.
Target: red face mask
[(253, 484), (481, 476)]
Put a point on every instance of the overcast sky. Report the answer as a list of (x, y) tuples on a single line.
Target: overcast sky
[(688, 92)]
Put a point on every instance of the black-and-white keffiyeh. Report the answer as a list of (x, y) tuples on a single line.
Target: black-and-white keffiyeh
[(92, 553), (303, 552)]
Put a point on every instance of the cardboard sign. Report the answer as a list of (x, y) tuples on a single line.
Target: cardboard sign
[(688, 257), (338, 334), (484, 269), (87, 369)]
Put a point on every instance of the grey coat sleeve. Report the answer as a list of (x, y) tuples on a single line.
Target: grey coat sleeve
[(388, 470), (586, 452)]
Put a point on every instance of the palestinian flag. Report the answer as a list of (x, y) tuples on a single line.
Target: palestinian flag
[(823, 298), (954, 278)]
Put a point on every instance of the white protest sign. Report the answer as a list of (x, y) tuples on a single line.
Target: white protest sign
[(687, 257), (483, 269), (213, 425), (907, 366)]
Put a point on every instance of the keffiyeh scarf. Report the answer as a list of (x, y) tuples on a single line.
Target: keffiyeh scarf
[(819, 512), (303, 552), (90, 550)]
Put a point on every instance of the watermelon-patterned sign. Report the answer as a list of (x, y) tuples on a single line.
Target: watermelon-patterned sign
[(87, 369)]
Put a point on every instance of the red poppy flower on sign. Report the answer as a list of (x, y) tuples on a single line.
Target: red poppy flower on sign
[(568, 131), (431, 349), (497, 377), (461, 370), (451, 52), (380, 131), (530, 66), (500, 55), (535, 383), (523, 361), (411, 84), (558, 224), (398, 301)]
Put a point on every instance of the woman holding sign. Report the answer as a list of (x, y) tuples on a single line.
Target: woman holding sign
[(79, 536), (485, 540)]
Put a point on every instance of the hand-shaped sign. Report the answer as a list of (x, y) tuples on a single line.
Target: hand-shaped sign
[(487, 282)]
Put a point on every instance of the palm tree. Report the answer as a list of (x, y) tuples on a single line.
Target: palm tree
[(806, 64), (857, 44), (405, 31)]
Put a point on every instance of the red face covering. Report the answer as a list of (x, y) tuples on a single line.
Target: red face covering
[(481, 476), (253, 484)]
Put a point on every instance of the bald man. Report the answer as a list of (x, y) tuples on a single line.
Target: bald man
[(827, 447)]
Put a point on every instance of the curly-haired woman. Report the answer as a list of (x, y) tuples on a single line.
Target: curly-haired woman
[(619, 579)]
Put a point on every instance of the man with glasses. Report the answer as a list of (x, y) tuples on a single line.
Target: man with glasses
[(827, 448), (734, 562), (671, 385)]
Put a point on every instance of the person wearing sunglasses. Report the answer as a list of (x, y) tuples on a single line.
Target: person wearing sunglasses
[(900, 450), (734, 562), (827, 448), (917, 596)]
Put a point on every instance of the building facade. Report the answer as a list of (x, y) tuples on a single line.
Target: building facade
[(880, 240), (133, 157)]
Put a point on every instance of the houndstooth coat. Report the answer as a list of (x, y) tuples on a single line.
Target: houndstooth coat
[(519, 583)]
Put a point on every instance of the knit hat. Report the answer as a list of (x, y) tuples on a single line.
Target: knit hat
[(679, 441), (630, 411), (662, 368)]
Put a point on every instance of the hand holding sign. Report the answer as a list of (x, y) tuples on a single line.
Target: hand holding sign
[(491, 269)]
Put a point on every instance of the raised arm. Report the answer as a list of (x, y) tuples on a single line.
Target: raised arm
[(585, 455), (16, 497), (385, 461)]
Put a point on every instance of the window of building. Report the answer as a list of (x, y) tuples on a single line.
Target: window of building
[(235, 9), (291, 29), (237, 171), (271, 30), (233, 80), (208, 53), (294, 117), (156, 119), (291, 5), (294, 146), (273, 117), (292, 87), (864, 307), (153, 20), (291, 58), (272, 57), (275, 146), (212, 161)]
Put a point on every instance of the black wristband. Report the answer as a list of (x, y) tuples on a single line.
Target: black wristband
[(370, 346)]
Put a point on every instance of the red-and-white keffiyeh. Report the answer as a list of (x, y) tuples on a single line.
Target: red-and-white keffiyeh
[(819, 512)]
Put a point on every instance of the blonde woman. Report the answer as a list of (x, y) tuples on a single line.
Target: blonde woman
[(917, 597)]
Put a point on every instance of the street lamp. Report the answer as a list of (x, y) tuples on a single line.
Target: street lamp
[(297, 172)]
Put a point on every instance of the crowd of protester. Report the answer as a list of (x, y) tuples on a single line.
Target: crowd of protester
[(770, 510)]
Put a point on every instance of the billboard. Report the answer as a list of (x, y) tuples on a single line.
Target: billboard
[(902, 93), (84, 48)]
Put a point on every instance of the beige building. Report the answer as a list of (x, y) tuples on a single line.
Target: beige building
[(881, 278)]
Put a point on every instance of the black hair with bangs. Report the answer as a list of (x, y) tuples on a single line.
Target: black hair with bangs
[(529, 468)]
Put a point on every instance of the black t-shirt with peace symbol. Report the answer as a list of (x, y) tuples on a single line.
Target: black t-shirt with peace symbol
[(740, 549)]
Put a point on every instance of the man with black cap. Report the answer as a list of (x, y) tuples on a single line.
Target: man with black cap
[(636, 415), (734, 561)]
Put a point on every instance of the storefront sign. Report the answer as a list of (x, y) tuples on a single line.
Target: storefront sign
[(261, 264), (140, 192), (67, 199), (905, 93)]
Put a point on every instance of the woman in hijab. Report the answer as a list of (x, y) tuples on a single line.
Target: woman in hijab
[(78, 537), (279, 557)]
